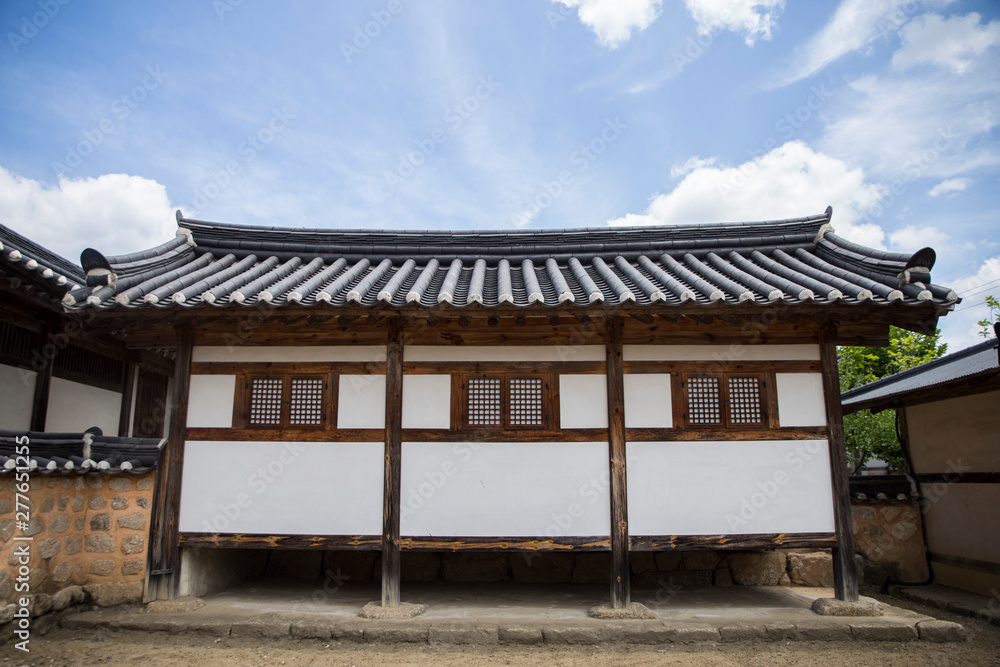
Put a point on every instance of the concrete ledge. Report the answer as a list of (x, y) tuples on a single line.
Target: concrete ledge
[(941, 631), (460, 633), (519, 634), (633, 611), (881, 631), (961, 602)]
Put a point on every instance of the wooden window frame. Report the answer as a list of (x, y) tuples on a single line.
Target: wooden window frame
[(460, 404), (241, 419), (768, 401)]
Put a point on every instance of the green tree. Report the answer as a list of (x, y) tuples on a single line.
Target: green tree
[(873, 436), (986, 324)]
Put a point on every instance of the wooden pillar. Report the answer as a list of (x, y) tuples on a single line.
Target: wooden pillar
[(128, 386), (616, 452), (43, 379), (393, 465), (845, 573), (164, 550)]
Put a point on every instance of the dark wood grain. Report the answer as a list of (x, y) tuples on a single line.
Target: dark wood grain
[(250, 541), (616, 452), (43, 381), (393, 465), (505, 543), (845, 574), (725, 542)]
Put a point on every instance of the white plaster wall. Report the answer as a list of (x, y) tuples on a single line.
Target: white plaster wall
[(721, 353), (524, 489), (282, 488), (75, 407), (361, 401), (17, 393), (583, 401), (210, 401), (318, 353), (647, 401), (426, 401), (800, 399), (729, 488), (503, 353)]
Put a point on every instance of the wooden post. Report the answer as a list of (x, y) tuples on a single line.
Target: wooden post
[(845, 573), (128, 386), (393, 464), (616, 452), (164, 550), (43, 380)]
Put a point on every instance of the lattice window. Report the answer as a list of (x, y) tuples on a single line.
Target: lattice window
[(288, 401), (704, 400), (526, 402), (306, 403), (744, 401), (505, 401), (726, 400), (265, 401), (484, 402)]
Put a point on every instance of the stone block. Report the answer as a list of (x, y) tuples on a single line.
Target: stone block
[(63, 501), (667, 561), (7, 613), (100, 521), (575, 634), (312, 629), (723, 577), (133, 544), (355, 566), (119, 503), (102, 567), (40, 604), (6, 505), (6, 529), (519, 635), (134, 521), (757, 568), (475, 567), (59, 523), (120, 484), (143, 502), (95, 482), (700, 560), (35, 526), (417, 565), (811, 569), (687, 634), (79, 502), (266, 628), (132, 566), (49, 547), (111, 594), (592, 568), (99, 543), (460, 633), (48, 503), (833, 607), (413, 634), (97, 502), (742, 632), (74, 544), (144, 483), (541, 568), (66, 597), (62, 572), (181, 605), (6, 586), (79, 522), (883, 631), (941, 631)]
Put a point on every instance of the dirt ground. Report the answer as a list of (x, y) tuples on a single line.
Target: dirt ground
[(63, 647)]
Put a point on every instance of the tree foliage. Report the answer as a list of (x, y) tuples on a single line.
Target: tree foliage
[(873, 436), (986, 324)]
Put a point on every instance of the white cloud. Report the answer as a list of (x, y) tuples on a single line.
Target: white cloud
[(908, 126), (950, 186), (690, 165), (614, 20), (114, 213), (912, 238), (952, 43), (855, 25), (750, 18), (789, 182), (960, 329)]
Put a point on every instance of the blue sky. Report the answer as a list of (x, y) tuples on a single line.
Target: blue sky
[(490, 115)]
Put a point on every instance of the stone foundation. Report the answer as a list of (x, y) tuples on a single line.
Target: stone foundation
[(88, 530)]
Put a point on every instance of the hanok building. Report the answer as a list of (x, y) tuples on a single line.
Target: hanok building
[(446, 391)]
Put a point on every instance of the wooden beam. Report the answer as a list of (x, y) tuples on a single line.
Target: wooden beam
[(737, 542), (164, 551), (393, 464), (245, 541), (43, 379), (845, 573), (616, 452), (128, 387)]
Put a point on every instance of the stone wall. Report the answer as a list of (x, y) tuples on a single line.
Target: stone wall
[(889, 535), (89, 530)]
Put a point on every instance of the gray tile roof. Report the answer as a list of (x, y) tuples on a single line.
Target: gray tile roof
[(80, 453), (794, 261), (973, 362), (44, 266)]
